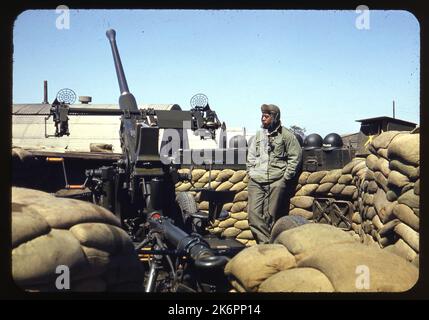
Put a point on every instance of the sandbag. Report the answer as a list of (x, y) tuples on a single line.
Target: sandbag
[(348, 191), (388, 227), (386, 212), (359, 166), (203, 205), (383, 166), (356, 218), (407, 187), (104, 237), (345, 179), (239, 186), (372, 187), (371, 162), (241, 196), (224, 175), (369, 175), (302, 213), (380, 200), (246, 178), (197, 174), (226, 206), (332, 176), (61, 213), (383, 153), (185, 186), (303, 177), (324, 188), (397, 179), (307, 190), (383, 140), (410, 199), (410, 236), (391, 196), (370, 213), (238, 206), (35, 261), (407, 216), (368, 199), (239, 215), (349, 166), (231, 232), (402, 249), (311, 236), (251, 266), (377, 222), (26, 225), (410, 171), (224, 185), (381, 180), (212, 185), (405, 148), (209, 175), (304, 202), (238, 176), (297, 280), (388, 272), (316, 177), (246, 235), (227, 223), (338, 188)]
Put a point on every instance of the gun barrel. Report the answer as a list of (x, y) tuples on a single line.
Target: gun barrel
[(123, 86)]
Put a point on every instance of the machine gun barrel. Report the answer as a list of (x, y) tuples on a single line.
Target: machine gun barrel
[(191, 245), (123, 86)]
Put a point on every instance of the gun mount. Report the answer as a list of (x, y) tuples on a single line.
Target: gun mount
[(139, 188)]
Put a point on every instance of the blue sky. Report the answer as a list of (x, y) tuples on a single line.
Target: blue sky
[(317, 66)]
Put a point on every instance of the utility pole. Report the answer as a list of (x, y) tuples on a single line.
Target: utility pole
[(393, 109)]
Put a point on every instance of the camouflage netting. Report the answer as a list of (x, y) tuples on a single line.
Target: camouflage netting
[(48, 232), (319, 258)]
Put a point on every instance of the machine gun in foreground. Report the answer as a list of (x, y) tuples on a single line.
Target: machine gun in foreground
[(167, 228)]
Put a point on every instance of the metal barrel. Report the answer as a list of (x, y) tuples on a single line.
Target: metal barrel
[(123, 86)]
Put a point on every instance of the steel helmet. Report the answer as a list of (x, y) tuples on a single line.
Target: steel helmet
[(332, 141), (313, 141)]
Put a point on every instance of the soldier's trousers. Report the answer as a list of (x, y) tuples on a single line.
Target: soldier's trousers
[(266, 204)]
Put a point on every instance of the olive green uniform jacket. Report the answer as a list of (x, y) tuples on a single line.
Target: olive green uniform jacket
[(274, 155)]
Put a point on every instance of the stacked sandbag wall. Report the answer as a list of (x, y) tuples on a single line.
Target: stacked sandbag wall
[(67, 244), (338, 183), (390, 194), (319, 258), (236, 224)]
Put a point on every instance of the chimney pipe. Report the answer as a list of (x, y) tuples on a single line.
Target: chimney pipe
[(45, 92)]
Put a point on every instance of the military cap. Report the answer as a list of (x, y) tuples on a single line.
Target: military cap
[(270, 108)]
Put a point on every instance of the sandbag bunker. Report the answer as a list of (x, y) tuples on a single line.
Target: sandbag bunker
[(372, 246), (377, 208), (60, 243)]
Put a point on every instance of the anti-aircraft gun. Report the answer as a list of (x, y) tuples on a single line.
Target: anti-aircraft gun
[(139, 189)]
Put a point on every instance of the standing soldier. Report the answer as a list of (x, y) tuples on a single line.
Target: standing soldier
[(273, 165)]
